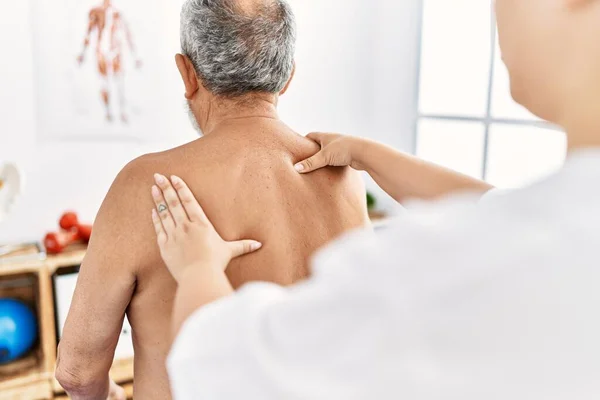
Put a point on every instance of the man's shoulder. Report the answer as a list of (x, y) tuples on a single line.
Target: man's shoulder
[(148, 164), (141, 166), (126, 209), (133, 183), (140, 171), (134, 175)]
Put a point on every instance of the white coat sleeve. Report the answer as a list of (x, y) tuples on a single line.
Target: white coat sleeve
[(269, 342)]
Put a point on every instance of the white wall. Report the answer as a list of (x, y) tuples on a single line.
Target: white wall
[(356, 69), (59, 175), (355, 74)]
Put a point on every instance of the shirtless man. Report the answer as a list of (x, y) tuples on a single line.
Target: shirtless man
[(111, 30), (238, 59)]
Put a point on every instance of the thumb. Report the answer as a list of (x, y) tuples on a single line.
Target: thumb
[(313, 163), (242, 247)]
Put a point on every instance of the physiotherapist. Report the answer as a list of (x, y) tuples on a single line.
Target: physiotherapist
[(470, 297)]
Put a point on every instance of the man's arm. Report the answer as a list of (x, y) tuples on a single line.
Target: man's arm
[(104, 289)]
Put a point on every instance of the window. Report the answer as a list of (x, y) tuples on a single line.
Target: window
[(467, 119)]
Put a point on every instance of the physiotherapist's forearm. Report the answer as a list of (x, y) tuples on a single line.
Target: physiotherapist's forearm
[(403, 176), (199, 287)]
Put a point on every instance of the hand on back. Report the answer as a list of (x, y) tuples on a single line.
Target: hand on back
[(185, 236), (336, 151)]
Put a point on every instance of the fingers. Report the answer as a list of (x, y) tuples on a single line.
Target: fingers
[(161, 235), (172, 199), (315, 137), (162, 210), (188, 201), (242, 247), (313, 163)]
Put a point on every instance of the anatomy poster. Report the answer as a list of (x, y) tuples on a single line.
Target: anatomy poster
[(99, 65)]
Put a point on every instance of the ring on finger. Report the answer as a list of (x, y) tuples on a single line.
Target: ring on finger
[(162, 208)]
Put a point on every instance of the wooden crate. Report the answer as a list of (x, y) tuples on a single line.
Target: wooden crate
[(28, 377), (128, 390), (32, 377)]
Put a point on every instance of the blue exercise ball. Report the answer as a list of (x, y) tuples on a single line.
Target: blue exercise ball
[(18, 330)]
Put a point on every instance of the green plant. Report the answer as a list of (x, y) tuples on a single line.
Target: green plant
[(371, 201)]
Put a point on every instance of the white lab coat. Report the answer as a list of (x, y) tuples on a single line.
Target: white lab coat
[(499, 300)]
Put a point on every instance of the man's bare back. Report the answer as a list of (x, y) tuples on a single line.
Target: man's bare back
[(238, 59), (243, 175)]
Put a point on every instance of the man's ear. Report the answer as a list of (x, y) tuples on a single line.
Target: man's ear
[(188, 75), (287, 85)]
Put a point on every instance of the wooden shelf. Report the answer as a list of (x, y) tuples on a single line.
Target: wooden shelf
[(21, 268), (21, 254), (128, 390), (24, 284), (121, 372), (375, 216), (33, 376), (35, 385), (12, 372), (73, 257)]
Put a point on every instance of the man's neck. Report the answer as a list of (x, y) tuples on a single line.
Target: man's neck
[(226, 111)]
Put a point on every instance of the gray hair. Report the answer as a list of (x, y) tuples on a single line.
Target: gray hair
[(236, 51)]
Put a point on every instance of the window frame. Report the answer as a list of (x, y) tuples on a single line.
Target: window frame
[(488, 120)]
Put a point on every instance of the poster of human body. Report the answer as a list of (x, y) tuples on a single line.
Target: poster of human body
[(99, 66)]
